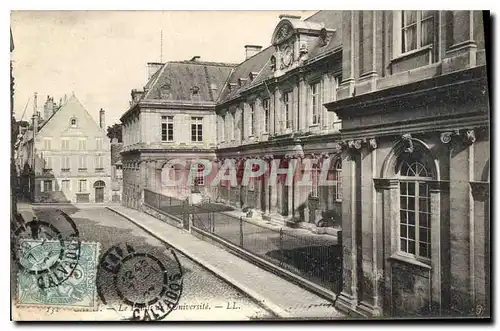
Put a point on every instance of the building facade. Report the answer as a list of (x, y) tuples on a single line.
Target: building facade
[(69, 158), (394, 102), (116, 171), (173, 117), (414, 106)]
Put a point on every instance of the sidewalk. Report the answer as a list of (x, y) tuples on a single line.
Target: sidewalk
[(283, 298)]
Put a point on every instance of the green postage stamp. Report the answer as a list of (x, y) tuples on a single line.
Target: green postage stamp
[(57, 273)]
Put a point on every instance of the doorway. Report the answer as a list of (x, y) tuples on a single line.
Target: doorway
[(99, 191)]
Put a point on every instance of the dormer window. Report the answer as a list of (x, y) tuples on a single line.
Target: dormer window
[(232, 86), (273, 62), (241, 81), (73, 122), (195, 90)]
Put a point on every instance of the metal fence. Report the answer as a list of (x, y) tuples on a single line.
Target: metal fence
[(315, 258), (162, 202)]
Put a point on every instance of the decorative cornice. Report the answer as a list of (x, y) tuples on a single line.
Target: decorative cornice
[(457, 87), (385, 183)]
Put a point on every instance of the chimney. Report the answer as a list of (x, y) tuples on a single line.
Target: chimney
[(48, 108), (288, 16), (251, 50), (101, 119), (153, 67), (35, 106)]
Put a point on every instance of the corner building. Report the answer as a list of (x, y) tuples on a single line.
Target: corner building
[(395, 101), (414, 106)]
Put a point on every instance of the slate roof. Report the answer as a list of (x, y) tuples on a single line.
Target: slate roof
[(115, 153), (175, 81), (260, 62)]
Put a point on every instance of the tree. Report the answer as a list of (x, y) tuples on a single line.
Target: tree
[(115, 131)]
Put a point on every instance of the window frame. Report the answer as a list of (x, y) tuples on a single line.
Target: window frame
[(98, 144), (167, 125), (265, 106), (315, 174), (47, 163), (418, 30), (197, 122), (315, 103), (47, 143), (82, 144), (68, 189), (82, 162), (46, 188), (85, 188), (251, 107), (65, 144), (416, 181), (287, 108)]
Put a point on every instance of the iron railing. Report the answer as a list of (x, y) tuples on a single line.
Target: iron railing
[(315, 258)]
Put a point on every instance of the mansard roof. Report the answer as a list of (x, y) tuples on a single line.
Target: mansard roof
[(177, 80), (219, 83), (328, 20)]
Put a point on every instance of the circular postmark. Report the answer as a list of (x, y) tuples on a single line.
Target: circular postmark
[(45, 251), (142, 283)]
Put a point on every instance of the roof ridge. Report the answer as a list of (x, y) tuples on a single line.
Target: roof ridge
[(207, 63), (225, 85), (251, 57), (316, 13), (146, 94), (210, 92)]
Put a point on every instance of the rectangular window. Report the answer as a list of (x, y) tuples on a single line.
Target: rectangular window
[(82, 164), (415, 217), (82, 185), (223, 128), (315, 103), (265, 105), (315, 181), (65, 163), (251, 125), (47, 144), (417, 29), (82, 144), (98, 163), (47, 186), (196, 129), (287, 99), (65, 185), (48, 163), (65, 144), (167, 128), (98, 143)]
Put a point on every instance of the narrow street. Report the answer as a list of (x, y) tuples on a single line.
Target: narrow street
[(204, 296)]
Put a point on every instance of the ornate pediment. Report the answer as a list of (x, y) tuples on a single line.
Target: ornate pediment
[(283, 33)]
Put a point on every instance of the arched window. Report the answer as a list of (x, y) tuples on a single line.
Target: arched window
[(73, 122), (414, 173)]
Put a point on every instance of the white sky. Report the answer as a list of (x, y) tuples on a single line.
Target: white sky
[(102, 55)]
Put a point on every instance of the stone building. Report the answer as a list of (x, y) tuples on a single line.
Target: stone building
[(116, 171), (395, 102), (172, 117), (414, 106), (69, 158)]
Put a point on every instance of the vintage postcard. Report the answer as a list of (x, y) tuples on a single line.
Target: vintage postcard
[(181, 166)]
